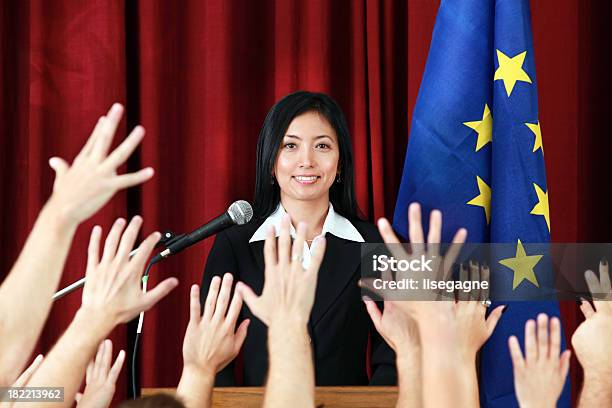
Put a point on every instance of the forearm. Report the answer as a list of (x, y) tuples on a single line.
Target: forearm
[(25, 295), (596, 391), (446, 375), (195, 388), (65, 364), (291, 377), (409, 378)]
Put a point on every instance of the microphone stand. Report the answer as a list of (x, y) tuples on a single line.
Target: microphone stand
[(167, 238)]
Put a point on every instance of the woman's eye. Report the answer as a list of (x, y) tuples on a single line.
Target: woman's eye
[(290, 146), (322, 146)]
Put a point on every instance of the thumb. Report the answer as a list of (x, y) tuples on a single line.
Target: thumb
[(493, 318), (59, 165), (78, 397), (241, 333), (247, 294)]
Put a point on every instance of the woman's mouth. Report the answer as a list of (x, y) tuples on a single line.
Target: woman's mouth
[(306, 179)]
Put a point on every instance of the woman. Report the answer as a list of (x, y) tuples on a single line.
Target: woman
[(305, 169)]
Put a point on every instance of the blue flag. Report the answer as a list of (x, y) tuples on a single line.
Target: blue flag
[(475, 152)]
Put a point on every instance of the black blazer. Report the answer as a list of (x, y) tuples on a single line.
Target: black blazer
[(339, 324)]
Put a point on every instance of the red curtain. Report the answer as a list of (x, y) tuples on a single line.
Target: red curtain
[(200, 77)]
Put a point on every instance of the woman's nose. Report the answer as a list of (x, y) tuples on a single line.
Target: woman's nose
[(306, 158)]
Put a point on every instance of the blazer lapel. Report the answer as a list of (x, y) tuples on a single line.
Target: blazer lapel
[(341, 260), (258, 276)]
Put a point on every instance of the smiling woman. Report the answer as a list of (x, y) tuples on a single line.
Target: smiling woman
[(305, 169)]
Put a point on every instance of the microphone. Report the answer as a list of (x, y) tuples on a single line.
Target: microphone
[(239, 213)]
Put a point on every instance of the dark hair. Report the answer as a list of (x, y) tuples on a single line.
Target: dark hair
[(153, 401), (267, 194)]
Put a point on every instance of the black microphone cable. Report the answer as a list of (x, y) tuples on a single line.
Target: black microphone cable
[(145, 279)]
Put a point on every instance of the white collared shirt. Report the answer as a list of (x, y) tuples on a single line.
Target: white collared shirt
[(334, 223)]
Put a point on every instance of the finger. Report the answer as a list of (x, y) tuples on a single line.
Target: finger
[(415, 229), (474, 276), (604, 276), (157, 293), (241, 334), (59, 166), (23, 379), (317, 255), (284, 242), (564, 363), (77, 397), (223, 298), (493, 319), (542, 335), (194, 305), (435, 233), (144, 251), (95, 373), (249, 297), (586, 308), (368, 285), (86, 150), (234, 310), (107, 132), (395, 247), (211, 299), (375, 314), (107, 358), (463, 276), (596, 289), (453, 251), (592, 283), (89, 371), (114, 371), (132, 179), (297, 248), (112, 239), (129, 238), (555, 337), (270, 255), (515, 353), (485, 276), (125, 149), (531, 350), (93, 250)]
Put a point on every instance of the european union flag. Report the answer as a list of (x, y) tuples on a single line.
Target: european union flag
[(475, 152)]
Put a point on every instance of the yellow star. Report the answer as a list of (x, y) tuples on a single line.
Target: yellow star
[(511, 70), (535, 128), (522, 265), (541, 208), (483, 127), (483, 199)]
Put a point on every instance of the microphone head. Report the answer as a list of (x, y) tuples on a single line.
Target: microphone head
[(240, 212)]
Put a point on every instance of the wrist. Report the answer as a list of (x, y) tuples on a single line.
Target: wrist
[(91, 319), (283, 322), (198, 373), (59, 216)]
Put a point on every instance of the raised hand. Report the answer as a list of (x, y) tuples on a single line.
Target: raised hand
[(112, 291), (540, 374), (289, 289), (101, 377), (592, 338), (470, 313), (82, 188), (441, 265), (212, 340)]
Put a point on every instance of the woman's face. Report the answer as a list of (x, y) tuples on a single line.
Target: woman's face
[(307, 162)]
